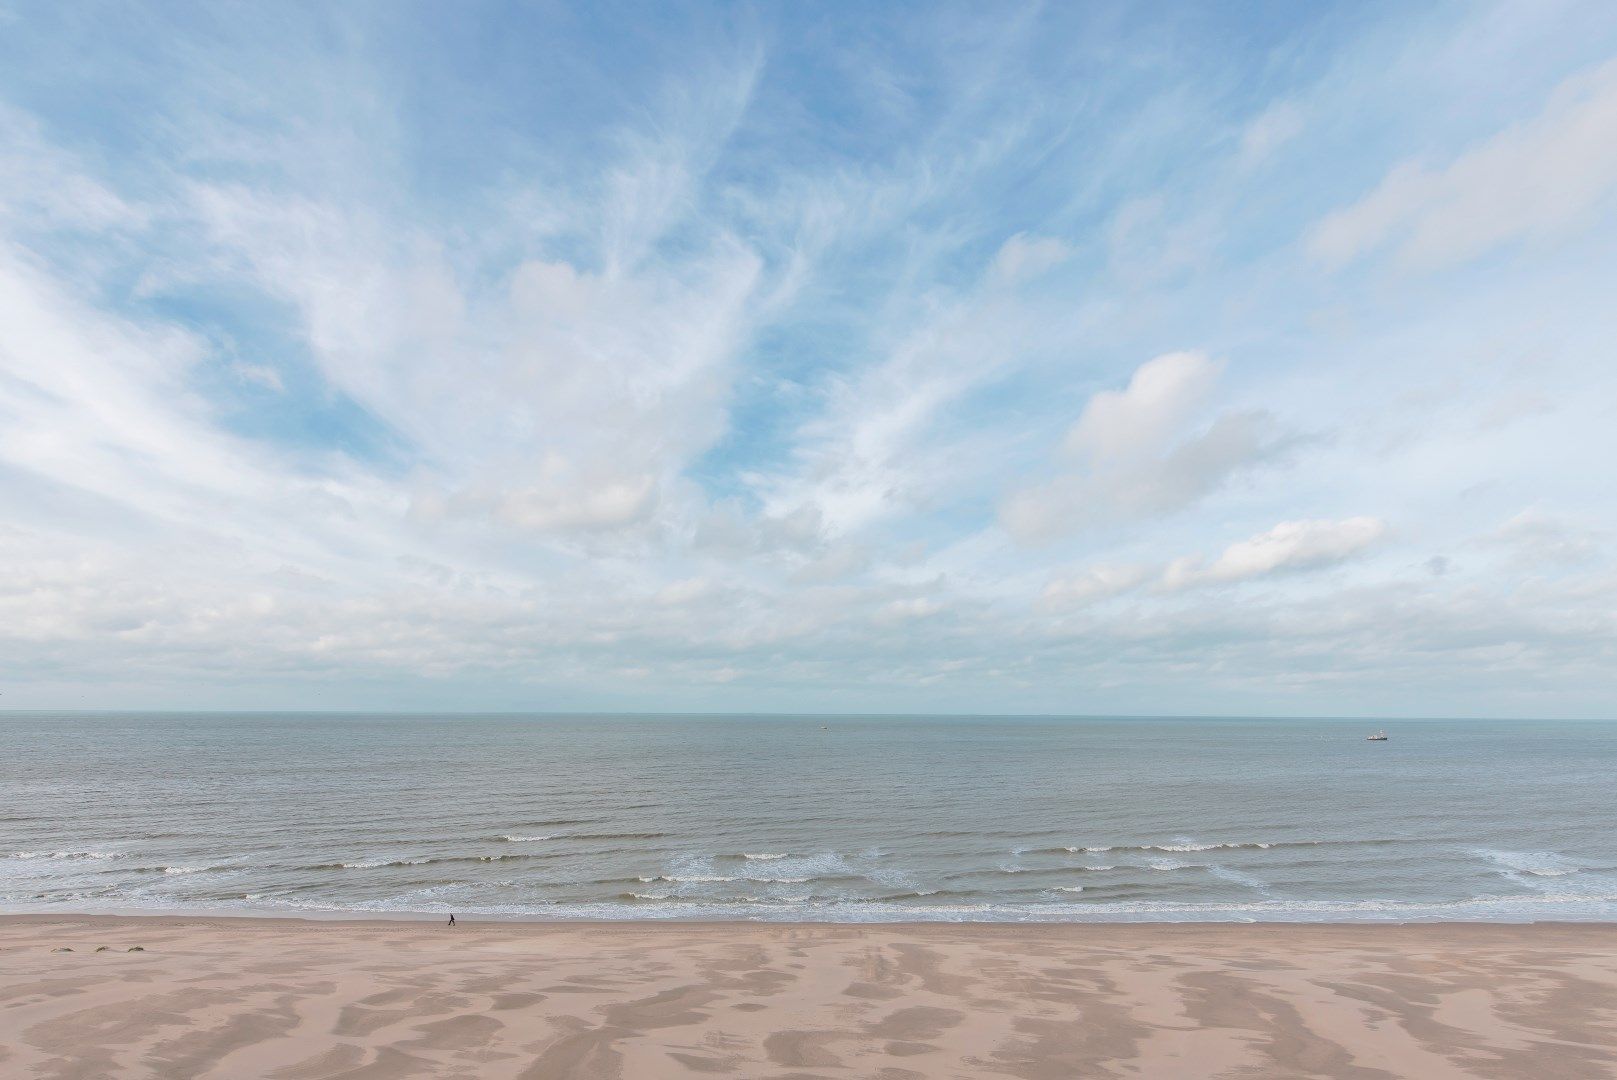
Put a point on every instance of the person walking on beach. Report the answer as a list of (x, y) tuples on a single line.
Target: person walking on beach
[(451, 918)]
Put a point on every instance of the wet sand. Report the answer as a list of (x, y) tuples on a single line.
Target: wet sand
[(300, 1000)]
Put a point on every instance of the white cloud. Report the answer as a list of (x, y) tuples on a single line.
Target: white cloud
[(905, 610), (1147, 245), (1136, 452), (1024, 256), (872, 453), (43, 185), (684, 591), (588, 394), (687, 400), (1289, 546), (1544, 541), (839, 561), (260, 375), (1137, 421), (1533, 180), (1094, 584), (606, 505), (1270, 130)]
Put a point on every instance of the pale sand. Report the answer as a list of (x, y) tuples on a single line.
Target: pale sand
[(238, 998)]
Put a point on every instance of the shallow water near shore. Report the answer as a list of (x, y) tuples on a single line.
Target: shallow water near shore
[(809, 818)]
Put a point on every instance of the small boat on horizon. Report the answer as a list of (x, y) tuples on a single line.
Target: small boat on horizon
[(1380, 736)]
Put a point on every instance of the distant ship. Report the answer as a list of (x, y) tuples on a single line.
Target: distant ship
[(1380, 736)]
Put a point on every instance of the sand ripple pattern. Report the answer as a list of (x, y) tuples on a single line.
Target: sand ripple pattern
[(245, 998)]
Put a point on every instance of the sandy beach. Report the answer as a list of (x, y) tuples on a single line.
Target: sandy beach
[(235, 998)]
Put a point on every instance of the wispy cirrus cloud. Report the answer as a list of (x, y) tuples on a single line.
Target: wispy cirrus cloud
[(347, 360), (1531, 181)]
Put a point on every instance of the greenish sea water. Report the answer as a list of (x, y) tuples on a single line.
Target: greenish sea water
[(809, 818)]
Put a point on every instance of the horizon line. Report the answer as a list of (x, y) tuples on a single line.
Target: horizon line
[(855, 714)]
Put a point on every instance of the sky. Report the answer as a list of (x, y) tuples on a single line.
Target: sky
[(1250, 359)]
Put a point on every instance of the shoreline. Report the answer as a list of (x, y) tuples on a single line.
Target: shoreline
[(394, 920), (785, 918), (188, 996)]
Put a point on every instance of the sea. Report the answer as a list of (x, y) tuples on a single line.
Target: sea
[(808, 818)]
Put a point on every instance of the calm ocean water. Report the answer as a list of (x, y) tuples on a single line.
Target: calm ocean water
[(836, 818)]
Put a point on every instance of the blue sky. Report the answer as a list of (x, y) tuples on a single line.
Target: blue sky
[(1071, 358)]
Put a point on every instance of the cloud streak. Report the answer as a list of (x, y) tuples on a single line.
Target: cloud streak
[(582, 369), (1532, 181), (1143, 451), (1290, 547)]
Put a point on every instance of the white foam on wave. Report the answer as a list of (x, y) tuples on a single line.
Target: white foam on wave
[(1184, 844), (766, 855), (68, 855), (184, 869), (1547, 864), (713, 879), (1592, 905), (1187, 844), (1069, 888), (763, 867), (1238, 878), (1494, 908), (524, 839)]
